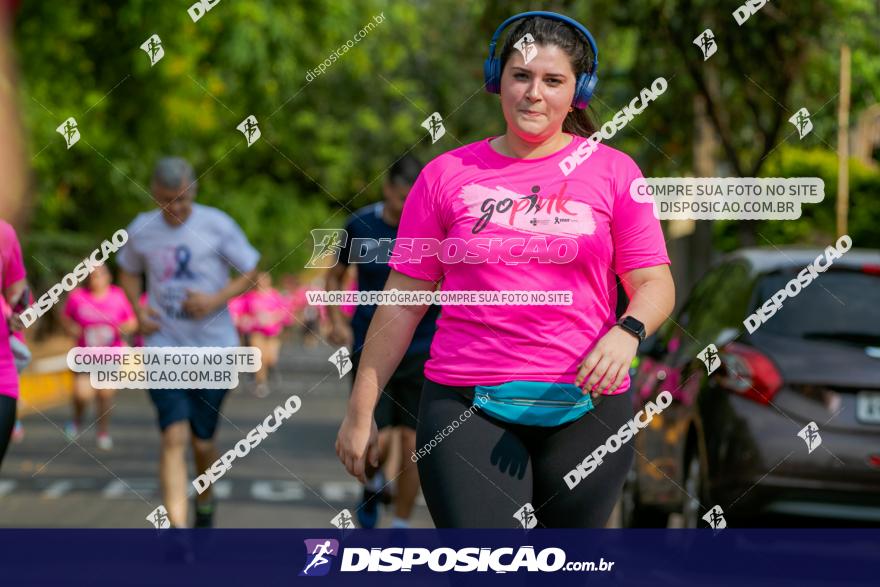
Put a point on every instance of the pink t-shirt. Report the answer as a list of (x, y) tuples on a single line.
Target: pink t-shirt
[(238, 310), (289, 307), (299, 302), (267, 310), (11, 271), (461, 194), (99, 317)]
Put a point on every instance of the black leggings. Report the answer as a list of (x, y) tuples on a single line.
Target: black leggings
[(7, 423), (484, 470)]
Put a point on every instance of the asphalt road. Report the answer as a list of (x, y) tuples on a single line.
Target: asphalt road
[(292, 480)]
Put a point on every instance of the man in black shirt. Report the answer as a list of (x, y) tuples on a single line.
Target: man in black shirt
[(399, 402)]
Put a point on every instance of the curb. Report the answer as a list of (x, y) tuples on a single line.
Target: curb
[(45, 384)]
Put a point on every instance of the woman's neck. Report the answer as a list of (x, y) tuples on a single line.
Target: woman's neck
[(513, 146)]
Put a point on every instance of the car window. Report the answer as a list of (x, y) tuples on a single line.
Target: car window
[(721, 301), (835, 306), (672, 328)]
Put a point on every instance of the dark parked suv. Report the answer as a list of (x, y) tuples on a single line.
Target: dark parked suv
[(731, 438)]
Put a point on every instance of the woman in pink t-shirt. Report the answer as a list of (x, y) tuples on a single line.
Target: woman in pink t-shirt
[(517, 396), (20, 353), (267, 310), (12, 279), (96, 315), (238, 310)]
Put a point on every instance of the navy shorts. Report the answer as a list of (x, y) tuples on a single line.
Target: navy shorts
[(200, 406)]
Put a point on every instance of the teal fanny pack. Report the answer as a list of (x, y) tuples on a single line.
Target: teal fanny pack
[(533, 403)]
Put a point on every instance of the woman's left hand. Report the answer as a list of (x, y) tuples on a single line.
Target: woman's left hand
[(605, 368)]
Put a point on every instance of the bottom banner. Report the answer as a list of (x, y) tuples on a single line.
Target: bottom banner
[(440, 557)]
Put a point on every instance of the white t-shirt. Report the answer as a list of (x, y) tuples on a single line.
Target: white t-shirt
[(194, 256)]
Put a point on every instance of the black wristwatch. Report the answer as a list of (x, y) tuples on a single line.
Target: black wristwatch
[(632, 326)]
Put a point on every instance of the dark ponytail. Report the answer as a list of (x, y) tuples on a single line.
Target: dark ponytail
[(553, 32), (578, 123)]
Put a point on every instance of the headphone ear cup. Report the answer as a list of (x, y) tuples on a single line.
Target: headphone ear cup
[(492, 75), (584, 90)]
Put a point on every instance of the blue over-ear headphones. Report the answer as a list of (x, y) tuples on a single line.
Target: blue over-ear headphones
[(586, 82)]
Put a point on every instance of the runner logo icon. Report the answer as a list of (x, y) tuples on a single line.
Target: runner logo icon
[(318, 553), (153, 48), (706, 42)]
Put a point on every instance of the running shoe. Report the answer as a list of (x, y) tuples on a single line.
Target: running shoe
[(105, 442), (387, 495), (399, 524), (368, 508), (18, 432), (204, 515), (71, 430)]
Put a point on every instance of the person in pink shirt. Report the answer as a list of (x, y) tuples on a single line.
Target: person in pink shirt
[(20, 353), (267, 310), (241, 319), (97, 315), (12, 281), (518, 395)]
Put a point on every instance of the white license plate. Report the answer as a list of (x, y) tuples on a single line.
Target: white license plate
[(868, 407)]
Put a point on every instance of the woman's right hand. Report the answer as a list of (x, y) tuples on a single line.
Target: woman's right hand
[(357, 446)]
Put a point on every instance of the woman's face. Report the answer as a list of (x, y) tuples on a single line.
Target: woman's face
[(536, 96), (99, 279)]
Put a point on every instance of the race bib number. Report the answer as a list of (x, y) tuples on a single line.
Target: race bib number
[(99, 335)]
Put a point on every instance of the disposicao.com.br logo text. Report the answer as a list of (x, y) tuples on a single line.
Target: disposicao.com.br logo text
[(442, 560)]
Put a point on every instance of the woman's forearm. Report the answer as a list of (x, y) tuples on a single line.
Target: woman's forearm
[(652, 303), (69, 326), (14, 291)]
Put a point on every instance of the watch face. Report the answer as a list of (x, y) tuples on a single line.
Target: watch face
[(634, 325), (632, 322)]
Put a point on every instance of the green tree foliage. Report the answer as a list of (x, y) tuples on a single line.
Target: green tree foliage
[(817, 227)]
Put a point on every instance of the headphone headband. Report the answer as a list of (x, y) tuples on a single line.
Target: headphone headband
[(586, 83)]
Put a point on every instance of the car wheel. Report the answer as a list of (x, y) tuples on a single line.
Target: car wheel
[(696, 500), (635, 514)]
